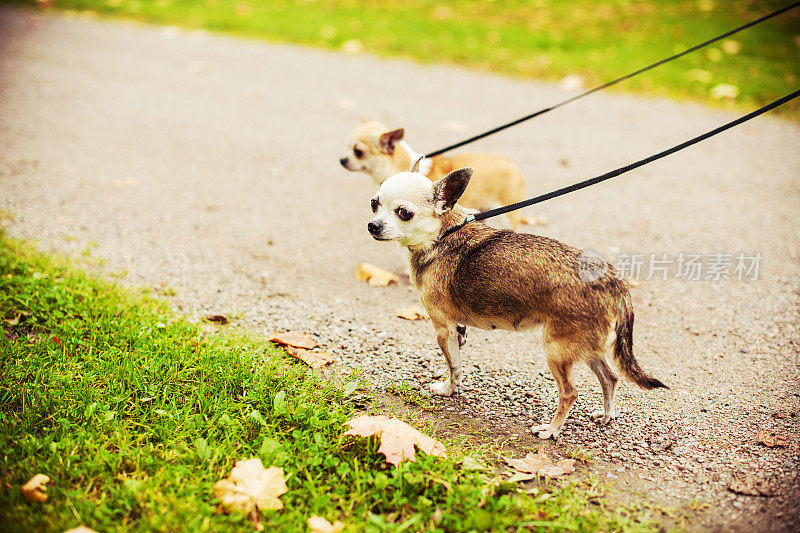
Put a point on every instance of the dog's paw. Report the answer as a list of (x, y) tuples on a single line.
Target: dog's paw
[(603, 418), (442, 388), (544, 432)]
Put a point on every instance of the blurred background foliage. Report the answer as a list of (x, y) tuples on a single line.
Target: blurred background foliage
[(580, 42)]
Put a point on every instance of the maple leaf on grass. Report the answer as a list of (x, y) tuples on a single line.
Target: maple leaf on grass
[(398, 440), (35, 490), (317, 524), (251, 488), (539, 463), (375, 276)]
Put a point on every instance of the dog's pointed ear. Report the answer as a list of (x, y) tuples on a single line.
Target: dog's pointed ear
[(390, 138), (449, 189), (415, 165)]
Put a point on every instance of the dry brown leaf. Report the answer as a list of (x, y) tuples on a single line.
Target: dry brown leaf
[(750, 485), (315, 360), (250, 488), (294, 338), (772, 440), (539, 463), (218, 319), (413, 312), (398, 439), (35, 490), (375, 276), (317, 524)]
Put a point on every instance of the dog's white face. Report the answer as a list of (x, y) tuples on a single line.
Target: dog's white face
[(408, 207)]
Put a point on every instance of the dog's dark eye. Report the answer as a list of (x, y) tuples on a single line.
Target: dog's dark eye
[(374, 204), (404, 214), (358, 152)]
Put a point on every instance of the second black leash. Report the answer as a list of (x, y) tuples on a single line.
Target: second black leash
[(621, 170), (612, 82)]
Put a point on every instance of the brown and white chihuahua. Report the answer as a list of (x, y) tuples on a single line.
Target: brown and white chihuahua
[(500, 279)]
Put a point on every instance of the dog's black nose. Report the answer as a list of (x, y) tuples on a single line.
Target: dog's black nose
[(374, 227), (343, 161)]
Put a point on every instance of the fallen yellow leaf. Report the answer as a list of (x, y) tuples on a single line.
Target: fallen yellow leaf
[(398, 439), (251, 488), (375, 276), (35, 490), (539, 463), (315, 360), (294, 338), (413, 312), (317, 524)]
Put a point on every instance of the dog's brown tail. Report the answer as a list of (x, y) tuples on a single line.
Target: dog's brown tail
[(623, 348)]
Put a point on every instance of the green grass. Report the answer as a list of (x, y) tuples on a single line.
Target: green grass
[(598, 40), (134, 415)]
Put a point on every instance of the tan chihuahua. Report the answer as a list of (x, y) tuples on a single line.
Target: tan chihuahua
[(374, 149), (490, 278)]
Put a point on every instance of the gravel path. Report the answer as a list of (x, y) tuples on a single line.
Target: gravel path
[(210, 165)]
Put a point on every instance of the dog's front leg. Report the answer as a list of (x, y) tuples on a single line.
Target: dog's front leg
[(447, 337)]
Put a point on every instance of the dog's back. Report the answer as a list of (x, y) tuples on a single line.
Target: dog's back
[(496, 181), (500, 279)]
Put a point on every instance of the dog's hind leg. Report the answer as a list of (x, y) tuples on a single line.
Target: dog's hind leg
[(608, 382), (560, 357), (462, 335), (448, 337)]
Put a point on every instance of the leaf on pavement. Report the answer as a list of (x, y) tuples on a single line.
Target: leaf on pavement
[(750, 485), (398, 439), (251, 488), (540, 464), (773, 440), (413, 312), (35, 490), (315, 360), (375, 276), (317, 524), (294, 338), (217, 319)]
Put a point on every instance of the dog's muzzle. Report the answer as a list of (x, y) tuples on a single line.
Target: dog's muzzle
[(344, 161), (375, 229)]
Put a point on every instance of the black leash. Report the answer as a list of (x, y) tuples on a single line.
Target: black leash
[(621, 170), (610, 83)]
